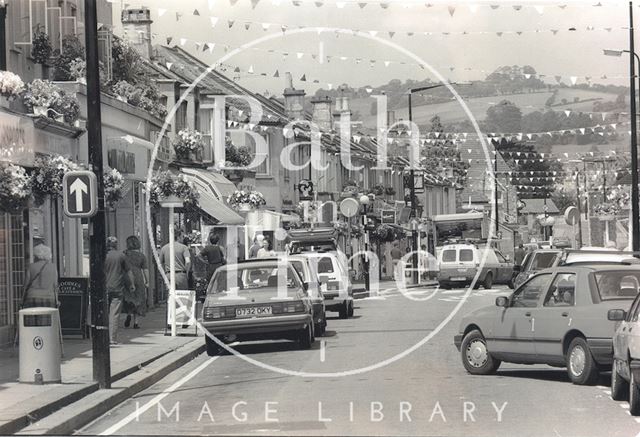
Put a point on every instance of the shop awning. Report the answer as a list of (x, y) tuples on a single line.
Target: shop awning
[(211, 198), (217, 183), (218, 210), (269, 220)]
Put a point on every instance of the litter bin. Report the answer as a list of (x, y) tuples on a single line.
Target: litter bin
[(40, 348)]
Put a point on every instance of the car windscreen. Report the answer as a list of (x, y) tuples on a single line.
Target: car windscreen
[(449, 256), (248, 279), (617, 284), (542, 260), (466, 255)]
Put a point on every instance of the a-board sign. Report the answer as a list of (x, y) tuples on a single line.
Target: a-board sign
[(73, 294)]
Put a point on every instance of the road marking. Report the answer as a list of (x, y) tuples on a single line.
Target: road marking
[(322, 349), (136, 414)]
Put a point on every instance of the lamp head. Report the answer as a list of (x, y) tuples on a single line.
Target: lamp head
[(609, 52), (364, 199)]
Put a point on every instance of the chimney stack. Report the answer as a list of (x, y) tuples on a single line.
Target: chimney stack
[(293, 100), (322, 113), (137, 29), (342, 116)]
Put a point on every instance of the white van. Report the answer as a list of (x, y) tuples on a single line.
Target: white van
[(459, 264)]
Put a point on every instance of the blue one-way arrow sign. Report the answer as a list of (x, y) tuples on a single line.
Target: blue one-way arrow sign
[(80, 193)]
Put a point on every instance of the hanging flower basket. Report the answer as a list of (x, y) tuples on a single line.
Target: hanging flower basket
[(166, 185), (242, 200), (10, 85), (606, 211), (15, 188), (113, 187), (188, 144), (46, 178)]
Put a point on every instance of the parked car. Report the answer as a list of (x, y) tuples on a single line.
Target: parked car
[(313, 240), (309, 275), (533, 262), (625, 372), (557, 317), (459, 264), (257, 299), (335, 283)]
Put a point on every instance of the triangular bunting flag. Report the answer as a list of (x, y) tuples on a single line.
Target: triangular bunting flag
[(452, 10), (169, 64), (169, 39), (254, 3), (214, 21), (276, 74), (196, 13), (574, 79), (303, 78)]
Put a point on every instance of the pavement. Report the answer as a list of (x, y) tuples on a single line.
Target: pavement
[(138, 349), (390, 370)]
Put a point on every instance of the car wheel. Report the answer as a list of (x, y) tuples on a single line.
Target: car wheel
[(618, 384), (350, 310), (344, 310), (212, 346), (305, 337), (581, 366), (475, 355), (488, 281), (634, 397)]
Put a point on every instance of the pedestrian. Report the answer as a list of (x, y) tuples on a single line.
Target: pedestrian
[(519, 254), (257, 245), (266, 250), (396, 256), (41, 280), (214, 255), (118, 281), (182, 258), (135, 300)]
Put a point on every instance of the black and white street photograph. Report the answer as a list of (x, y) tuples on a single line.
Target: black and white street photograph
[(319, 218)]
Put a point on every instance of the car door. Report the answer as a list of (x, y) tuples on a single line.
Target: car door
[(624, 331), (513, 334), (504, 269), (555, 316)]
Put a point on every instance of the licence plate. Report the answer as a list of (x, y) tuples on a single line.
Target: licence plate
[(461, 278), (253, 311)]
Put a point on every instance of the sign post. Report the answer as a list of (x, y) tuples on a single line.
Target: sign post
[(97, 230)]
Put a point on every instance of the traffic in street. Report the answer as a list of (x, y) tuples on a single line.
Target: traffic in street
[(349, 384)]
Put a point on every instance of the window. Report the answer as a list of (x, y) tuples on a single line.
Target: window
[(542, 260), (449, 256), (632, 316), (562, 292), (181, 116), (617, 285), (299, 268), (529, 294), (500, 257), (466, 255)]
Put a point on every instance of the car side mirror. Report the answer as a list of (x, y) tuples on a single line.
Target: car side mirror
[(616, 315), (502, 301), (305, 286)]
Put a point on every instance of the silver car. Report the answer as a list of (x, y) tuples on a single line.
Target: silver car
[(312, 282), (558, 317), (257, 299)]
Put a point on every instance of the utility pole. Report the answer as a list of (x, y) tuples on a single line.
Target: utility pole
[(635, 208), (495, 189), (579, 206), (3, 35), (414, 214), (97, 231)]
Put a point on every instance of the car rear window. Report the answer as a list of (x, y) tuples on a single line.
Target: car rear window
[(542, 260), (466, 255), (449, 256), (250, 278), (618, 285), (299, 268)]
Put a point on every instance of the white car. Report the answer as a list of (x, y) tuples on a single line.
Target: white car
[(309, 276), (335, 283), (459, 264)]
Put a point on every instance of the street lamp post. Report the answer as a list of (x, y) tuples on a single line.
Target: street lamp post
[(635, 198), (364, 201)]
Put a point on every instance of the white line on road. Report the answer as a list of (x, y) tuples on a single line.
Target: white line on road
[(322, 350), (136, 414)]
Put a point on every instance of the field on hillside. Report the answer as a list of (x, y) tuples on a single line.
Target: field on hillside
[(453, 112)]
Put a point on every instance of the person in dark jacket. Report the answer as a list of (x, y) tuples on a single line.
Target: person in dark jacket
[(214, 255)]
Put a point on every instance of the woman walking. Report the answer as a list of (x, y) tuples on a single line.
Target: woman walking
[(214, 255), (41, 280), (135, 300)]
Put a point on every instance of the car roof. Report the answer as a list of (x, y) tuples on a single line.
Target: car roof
[(256, 261), (604, 267)]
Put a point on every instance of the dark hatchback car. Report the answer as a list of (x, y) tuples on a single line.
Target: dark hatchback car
[(534, 262), (557, 317)]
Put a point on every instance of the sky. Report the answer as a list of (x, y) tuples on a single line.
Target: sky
[(497, 34)]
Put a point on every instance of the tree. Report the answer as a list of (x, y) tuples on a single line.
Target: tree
[(504, 117)]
